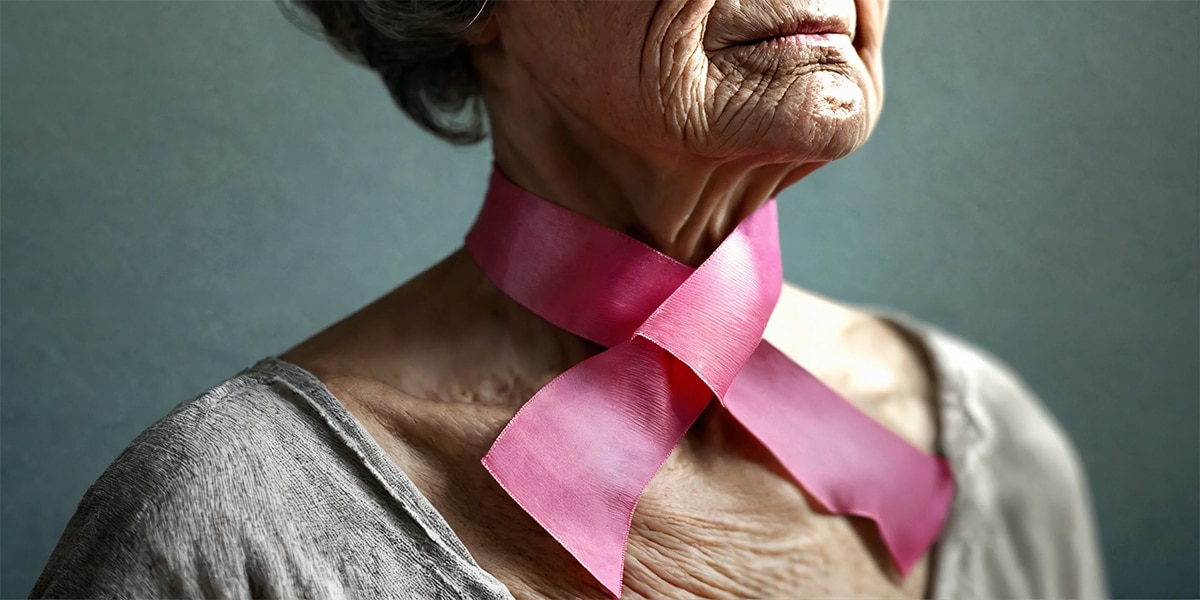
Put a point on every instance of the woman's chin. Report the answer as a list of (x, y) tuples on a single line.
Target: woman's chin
[(821, 118), (814, 138), (830, 118)]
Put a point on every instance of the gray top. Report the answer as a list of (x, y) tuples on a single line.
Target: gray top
[(267, 486)]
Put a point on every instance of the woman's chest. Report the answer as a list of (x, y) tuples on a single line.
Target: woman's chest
[(731, 524), (719, 519)]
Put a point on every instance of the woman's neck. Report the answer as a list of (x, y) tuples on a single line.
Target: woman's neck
[(682, 205)]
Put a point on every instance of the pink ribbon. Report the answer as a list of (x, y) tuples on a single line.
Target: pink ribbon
[(577, 456)]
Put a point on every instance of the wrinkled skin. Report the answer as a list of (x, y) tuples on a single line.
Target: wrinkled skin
[(436, 384), (667, 80), (647, 117), (643, 116)]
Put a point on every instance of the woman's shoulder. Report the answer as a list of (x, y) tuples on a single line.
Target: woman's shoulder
[(982, 404), (255, 421), (1022, 522), (988, 412), (260, 486), (992, 409), (184, 490)]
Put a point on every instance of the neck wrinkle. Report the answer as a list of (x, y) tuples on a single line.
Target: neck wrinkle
[(684, 210)]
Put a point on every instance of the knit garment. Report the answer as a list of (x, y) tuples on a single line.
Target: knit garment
[(267, 486)]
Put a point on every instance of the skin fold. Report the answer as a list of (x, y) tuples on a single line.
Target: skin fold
[(659, 120)]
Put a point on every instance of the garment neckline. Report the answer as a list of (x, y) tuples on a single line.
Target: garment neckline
[(950, 380)]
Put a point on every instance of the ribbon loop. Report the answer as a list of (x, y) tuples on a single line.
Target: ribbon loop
[(577, 456), (715, 319)]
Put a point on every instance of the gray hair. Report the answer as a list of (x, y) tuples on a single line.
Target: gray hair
[(418, 49)]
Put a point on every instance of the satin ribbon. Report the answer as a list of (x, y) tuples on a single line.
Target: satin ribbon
[(577, 456)]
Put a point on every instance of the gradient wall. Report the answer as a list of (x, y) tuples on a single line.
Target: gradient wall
[(188, 187)]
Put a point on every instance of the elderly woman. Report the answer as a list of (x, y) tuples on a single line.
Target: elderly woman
[(608, 391)]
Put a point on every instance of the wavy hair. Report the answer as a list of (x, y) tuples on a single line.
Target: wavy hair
[(419, 51)]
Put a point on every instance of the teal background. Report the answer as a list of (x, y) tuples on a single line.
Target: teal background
[(188, 187)]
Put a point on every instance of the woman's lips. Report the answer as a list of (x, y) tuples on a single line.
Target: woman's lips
[(805, 40), (798, 50), (804, 30)]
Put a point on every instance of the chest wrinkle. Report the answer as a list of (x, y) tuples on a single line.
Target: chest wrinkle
[(715, 522)]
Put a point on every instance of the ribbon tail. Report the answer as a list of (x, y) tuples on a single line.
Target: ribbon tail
[(844, 459), (577, 456)]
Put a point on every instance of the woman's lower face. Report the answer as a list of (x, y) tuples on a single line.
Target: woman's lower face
[(786, 80)]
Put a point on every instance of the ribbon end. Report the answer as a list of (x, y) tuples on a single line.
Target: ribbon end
[(610, 582), (908, 550), (597, 542)]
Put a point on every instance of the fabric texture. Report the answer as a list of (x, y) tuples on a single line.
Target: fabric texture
[(266, 486)]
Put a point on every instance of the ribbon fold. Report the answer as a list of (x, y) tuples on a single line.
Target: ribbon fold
[(577, 456)]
